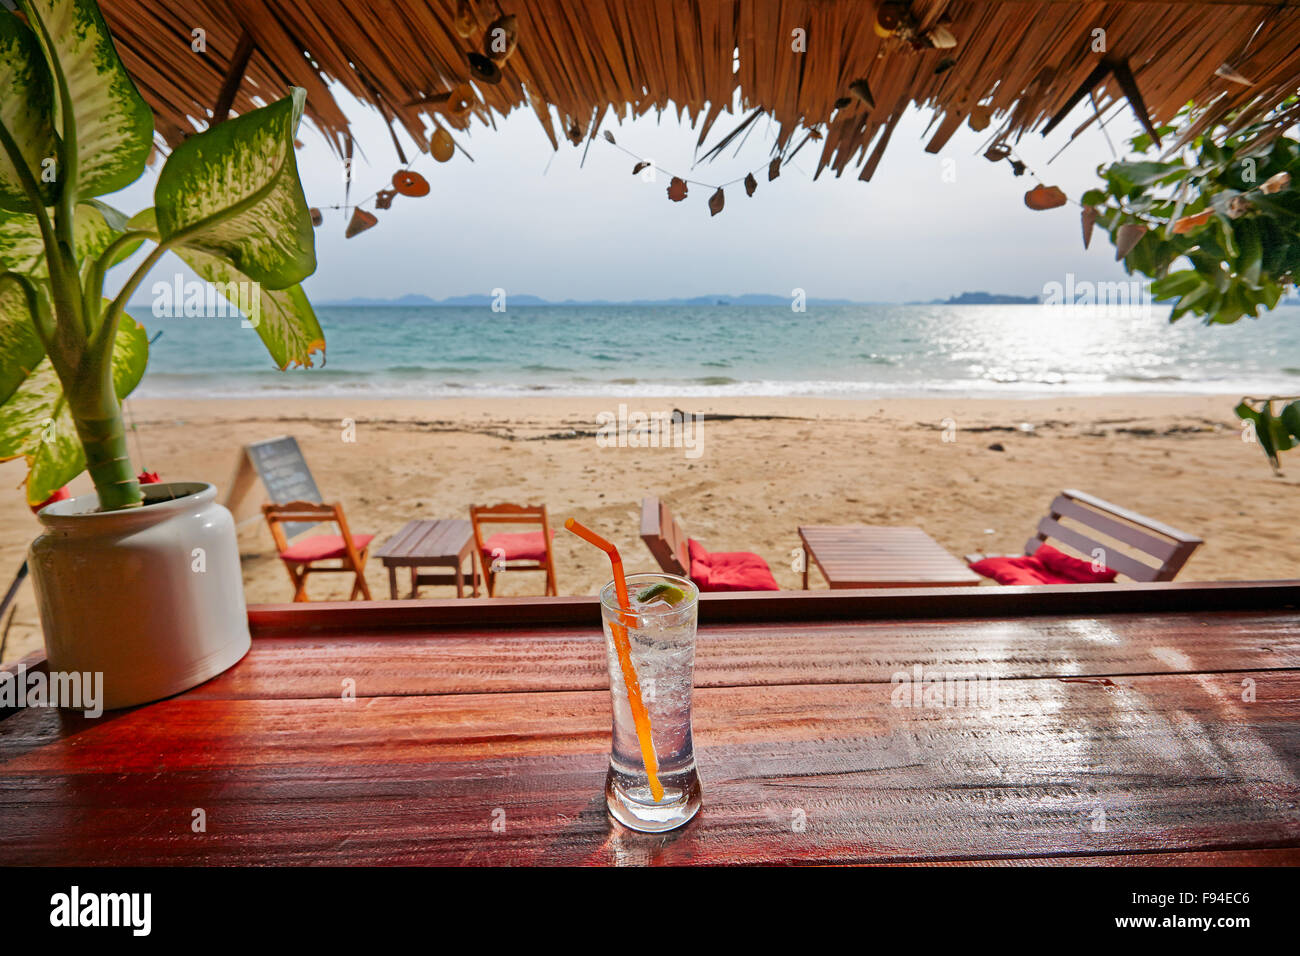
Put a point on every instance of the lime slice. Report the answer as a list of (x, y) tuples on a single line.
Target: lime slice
[(673, 595)]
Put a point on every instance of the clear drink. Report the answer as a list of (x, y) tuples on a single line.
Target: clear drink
[(661, 639)]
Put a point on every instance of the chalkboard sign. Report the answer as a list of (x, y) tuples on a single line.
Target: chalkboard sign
[(279, 464)]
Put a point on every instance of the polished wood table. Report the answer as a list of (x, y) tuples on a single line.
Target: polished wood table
[(862, 556), (1128, 724), (431, 542)]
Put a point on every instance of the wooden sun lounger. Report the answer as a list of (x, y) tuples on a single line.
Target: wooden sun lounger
[(1168, 547)]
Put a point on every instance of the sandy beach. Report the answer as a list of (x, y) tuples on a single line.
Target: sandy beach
[(764, 466)]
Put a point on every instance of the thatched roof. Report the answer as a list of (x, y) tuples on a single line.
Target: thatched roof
[(576, 58)]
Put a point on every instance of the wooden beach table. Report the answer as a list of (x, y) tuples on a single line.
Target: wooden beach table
[(431, 542), (1129, 724), (862, 556)]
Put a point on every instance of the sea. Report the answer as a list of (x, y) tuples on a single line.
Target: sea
[(839, 351)]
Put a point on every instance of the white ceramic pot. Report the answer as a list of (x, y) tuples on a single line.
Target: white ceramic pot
[(150, 597)]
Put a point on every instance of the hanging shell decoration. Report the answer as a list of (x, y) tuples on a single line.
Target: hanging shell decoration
[(774, 169), (716, 202), (751, 184), (677, 189), (410, 184), (891, 19), (316, 218), (1189, 223), (894, 20), (861, 91), (1128, 236), (1275, 184), (979, 118), (501, 38), (1228, 73), (483, 68), (360, 222), (460, 101), (1045, 197), (465, 23), (441, 146), (1088, 218), (939, 36), (384, 198)]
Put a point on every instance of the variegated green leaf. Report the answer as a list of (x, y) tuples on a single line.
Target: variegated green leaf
[(26, 115), (35, 422), (114, 125), (20, 348), (284, 318), (232, 192), (21, 248)]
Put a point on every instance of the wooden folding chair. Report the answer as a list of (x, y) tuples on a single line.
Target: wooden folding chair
[(663, 536), (300, 558), (710, 571), (526, 551), (1166, 549)]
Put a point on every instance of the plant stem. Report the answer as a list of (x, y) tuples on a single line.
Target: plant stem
[(104, 440)]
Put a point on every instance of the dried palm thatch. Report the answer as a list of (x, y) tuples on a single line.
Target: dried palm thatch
[(579, 61)]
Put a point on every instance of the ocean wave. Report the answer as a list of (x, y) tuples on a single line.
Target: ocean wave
[(300, 386), (424, 370)]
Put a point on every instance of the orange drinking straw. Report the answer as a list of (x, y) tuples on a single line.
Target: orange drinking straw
[(624, 647)]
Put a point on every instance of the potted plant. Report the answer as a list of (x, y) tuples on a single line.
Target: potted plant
[(140, 584)]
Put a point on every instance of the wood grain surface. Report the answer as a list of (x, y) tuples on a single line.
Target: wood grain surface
[(862, 556), (1124, 738)]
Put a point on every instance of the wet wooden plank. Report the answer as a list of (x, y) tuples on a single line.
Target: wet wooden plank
[(501, 660), (1161, 763)]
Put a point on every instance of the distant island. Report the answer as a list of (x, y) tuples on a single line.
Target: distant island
[(749, 298), (983, 298)]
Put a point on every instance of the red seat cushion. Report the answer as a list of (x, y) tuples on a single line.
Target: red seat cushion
[(1046, 566), (521, 546), (1013, 571), (322, 547), (1072, 568), (729, 570)]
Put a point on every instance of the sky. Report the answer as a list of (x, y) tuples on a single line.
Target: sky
[(527, 219)]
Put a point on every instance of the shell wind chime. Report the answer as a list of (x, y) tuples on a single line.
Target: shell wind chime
[(500, 41), (502, 38), (465, 22), (895, 21)]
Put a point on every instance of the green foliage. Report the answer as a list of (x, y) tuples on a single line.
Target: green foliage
[(1222, 231), (1222, 218), (1274, 433), (73, 127)]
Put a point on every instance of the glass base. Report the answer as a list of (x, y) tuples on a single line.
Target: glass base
[(636, 809)]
